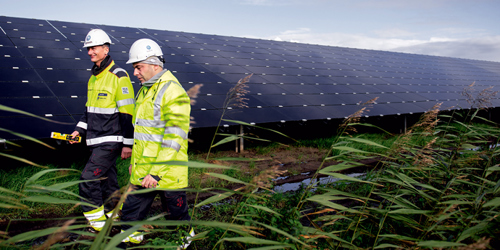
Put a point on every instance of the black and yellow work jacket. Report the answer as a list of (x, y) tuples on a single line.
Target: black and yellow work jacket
[(109, 108)]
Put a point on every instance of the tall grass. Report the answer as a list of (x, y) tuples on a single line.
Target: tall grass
[(435, 186)]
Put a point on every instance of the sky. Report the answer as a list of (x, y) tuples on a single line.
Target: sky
[(452, 28)]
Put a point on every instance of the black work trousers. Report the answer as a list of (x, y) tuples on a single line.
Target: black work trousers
[(102, 163), (137, 206)]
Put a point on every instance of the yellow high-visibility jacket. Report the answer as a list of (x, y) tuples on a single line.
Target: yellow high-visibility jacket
[(161, 119), (110, 105)]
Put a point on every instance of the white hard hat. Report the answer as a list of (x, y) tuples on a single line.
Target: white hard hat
[(142, 49), (96, 37)]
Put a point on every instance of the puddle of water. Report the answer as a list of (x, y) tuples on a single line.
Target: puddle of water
[(481, 148), (281, 178), (286, 187)]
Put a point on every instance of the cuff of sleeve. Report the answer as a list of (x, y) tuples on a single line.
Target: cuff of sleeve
[(156, 177), (82, 125), (80, 130), (128, 141)]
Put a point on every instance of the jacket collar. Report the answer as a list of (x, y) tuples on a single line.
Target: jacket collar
[(104, 64), (153, 79)]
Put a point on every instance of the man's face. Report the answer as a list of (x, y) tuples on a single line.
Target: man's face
[(97, 53), (144, 71)]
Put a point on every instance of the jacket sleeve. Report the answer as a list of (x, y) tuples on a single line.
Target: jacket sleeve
[(81, 126), (125, 104), (176, 110)]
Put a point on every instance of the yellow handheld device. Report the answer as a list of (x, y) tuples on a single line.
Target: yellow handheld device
[(66, 137)]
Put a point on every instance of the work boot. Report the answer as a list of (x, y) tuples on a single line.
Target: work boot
[(96, 218), (186, 240), (136, 237), (117, 215)]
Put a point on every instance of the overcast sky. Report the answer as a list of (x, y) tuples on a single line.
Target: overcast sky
[(455, 28)]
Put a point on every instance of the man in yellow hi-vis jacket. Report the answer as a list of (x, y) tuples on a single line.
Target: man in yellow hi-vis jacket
[(107, 125), (161, 120)]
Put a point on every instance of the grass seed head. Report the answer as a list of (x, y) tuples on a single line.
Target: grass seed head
[(236, 95), (356, 117), (482, 100), (193, 94)]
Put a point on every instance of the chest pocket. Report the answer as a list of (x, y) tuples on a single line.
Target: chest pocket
[(102, 97)]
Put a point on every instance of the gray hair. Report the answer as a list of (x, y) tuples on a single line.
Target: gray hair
[(154, 60)]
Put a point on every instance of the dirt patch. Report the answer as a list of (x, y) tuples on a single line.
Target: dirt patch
[(294, 160)]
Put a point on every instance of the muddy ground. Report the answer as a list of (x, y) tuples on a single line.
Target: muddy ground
[(292, 162)]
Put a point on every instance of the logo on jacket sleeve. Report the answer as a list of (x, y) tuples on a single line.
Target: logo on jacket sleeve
[(102, 96), (124, 90)]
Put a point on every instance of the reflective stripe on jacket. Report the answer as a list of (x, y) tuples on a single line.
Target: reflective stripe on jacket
[(161, 121), (109, 107)]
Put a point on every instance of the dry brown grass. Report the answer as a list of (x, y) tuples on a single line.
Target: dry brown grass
[(356, 117)]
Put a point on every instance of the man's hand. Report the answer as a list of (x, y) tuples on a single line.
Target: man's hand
[(126, 152), (73, 135), (149, 182), (130, 169)]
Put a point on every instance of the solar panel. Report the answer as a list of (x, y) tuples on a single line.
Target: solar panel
[(45, 107), (259, 115), (45, 70)]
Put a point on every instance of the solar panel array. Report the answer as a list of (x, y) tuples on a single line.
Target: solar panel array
[(44, 70)]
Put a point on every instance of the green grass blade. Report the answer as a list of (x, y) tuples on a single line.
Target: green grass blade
[(264, 209), (118, 238), (386, 245), (67, 184), (229, 138), (37, 176), (240, 159), (325, 201), (334, 192), (276, 230), (27, 137), (38, 233), (351, 150), (22, 160), (8, 109), (492, 169), (493, 203), (371, 126), (409, 211), (5, 190), (54, 200), (340, 167), (398, 237), (253, 240), (245, 137), (248, 124), (271, 247), (471, 231), (364, 141), (439, 244), (215, 198), (227, 178), (348, 178), (13, 206), (191, 164)]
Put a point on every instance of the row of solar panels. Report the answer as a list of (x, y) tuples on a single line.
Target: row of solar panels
[(48, 35), (44, 70)]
